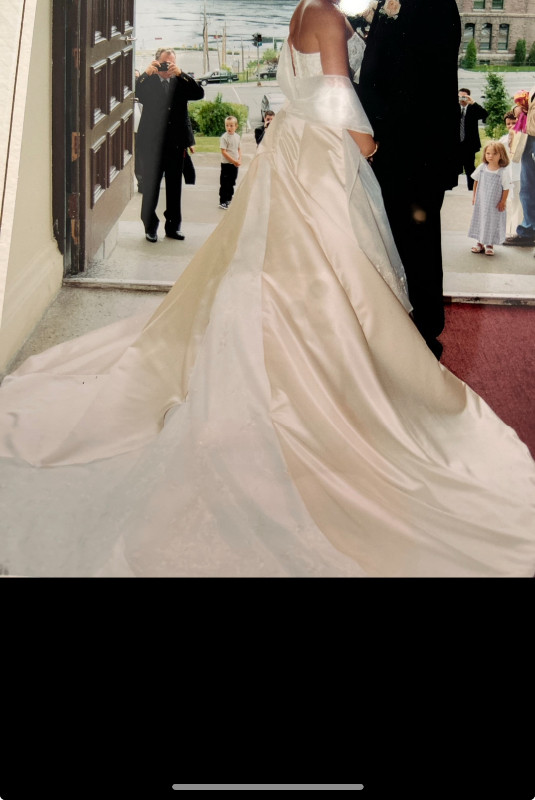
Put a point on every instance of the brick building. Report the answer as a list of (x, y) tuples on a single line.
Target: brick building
[(497, 25)]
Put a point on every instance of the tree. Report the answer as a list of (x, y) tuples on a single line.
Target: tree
[(520, 53), (270, 56), (470, 58), (209, 117), (497, 103), (531, 57)]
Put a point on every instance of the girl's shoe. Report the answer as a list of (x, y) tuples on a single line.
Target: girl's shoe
[(479, 248), (489, 250)]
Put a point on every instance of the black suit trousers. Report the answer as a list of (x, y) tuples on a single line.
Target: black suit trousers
[(415, 221), (154, 168), (467, 162)]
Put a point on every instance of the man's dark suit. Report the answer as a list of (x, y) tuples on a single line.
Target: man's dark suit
[(408, 87), (472, 143), (161, 138)]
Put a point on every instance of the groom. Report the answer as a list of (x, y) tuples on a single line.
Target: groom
[(408, 87)]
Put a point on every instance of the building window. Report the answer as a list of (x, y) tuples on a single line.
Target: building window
[(497, 4), (479, 3), (503, 37), (486, 36), (469, 33)]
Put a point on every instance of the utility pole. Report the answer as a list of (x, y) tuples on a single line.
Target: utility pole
[(224, 45), (242, 56), (205, 56)]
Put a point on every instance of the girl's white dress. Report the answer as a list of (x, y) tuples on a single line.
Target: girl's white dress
[(279, 414), (514, 206), (488, 225)]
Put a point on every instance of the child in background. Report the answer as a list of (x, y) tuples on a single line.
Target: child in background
[(493, 181), (231, 160), (514, 211), (521, 109)]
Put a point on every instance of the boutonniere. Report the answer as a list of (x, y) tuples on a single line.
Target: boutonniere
[(370, 11), (391, 9)]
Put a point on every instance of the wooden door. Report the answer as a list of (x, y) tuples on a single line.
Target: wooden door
[(106, 120), (93, 129)]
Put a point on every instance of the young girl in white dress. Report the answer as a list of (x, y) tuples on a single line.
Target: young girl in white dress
[(513, 211), (493, 181)]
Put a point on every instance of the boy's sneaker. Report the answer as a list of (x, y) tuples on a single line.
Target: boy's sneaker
[(224, 206)]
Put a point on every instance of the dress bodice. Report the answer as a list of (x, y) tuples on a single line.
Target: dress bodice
[(308, 65)]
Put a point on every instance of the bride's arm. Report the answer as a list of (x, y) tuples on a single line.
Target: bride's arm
[(332, 39)]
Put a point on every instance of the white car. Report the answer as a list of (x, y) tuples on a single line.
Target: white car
[(274, 101)]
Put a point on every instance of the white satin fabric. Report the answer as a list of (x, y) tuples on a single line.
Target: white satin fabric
[(331, 100), (278, 415)]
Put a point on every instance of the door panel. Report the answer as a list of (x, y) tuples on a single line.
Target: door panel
[(106, 121)]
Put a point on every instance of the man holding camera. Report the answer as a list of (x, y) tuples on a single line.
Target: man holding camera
[(471, 112), (164, 90), (261, 129)]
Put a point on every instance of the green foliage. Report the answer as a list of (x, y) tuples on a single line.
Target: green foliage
[(531, 56), (497, 103), (470, 57), (270, 56), (208, 117), (520, 52)]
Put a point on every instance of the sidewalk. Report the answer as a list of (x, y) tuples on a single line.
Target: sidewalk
[(137, 274)]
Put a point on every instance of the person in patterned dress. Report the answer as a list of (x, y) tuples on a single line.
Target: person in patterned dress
[(492, 182)]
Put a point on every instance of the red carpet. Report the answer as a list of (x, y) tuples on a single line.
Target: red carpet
[(492, 349)]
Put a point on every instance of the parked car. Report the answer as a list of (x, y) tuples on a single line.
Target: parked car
[(272, 100), (269, 72), (217, 76)]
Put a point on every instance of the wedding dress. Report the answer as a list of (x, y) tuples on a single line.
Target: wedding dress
[(279, 414)]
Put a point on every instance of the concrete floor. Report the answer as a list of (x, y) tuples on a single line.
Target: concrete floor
[(104, 294)]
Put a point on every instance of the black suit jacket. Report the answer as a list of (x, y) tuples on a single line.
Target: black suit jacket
[(259, 132), (408, 87), (163, 126), (474, 113)]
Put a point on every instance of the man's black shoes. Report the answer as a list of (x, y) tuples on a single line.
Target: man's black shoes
[(519, 241), (151, 237), (175, 235)]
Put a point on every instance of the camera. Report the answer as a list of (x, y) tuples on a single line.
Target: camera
[(164, 66)]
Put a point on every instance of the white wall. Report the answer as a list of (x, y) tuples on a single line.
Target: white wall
[(31, 266)]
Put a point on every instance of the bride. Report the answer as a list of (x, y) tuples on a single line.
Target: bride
[(279, 414)]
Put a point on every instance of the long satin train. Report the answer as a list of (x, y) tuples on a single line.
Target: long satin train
[(308, 429)]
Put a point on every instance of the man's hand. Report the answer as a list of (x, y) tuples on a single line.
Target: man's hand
[(152, 69), (501, 205), (173, 71)]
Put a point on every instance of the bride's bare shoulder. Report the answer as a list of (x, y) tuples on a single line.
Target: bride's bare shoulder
[(310, 19)]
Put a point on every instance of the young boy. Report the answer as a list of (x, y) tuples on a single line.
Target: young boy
[(230, 161)]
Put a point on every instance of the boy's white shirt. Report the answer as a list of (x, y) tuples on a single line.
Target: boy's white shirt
[(231, 143)]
